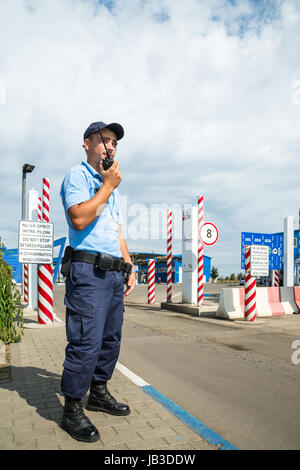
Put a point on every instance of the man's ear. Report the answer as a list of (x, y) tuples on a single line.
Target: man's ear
[(86, 144)]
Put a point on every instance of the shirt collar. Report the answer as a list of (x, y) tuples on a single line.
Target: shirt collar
[(91, 170)]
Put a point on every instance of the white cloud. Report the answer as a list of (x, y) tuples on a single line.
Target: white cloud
[(207, 93)]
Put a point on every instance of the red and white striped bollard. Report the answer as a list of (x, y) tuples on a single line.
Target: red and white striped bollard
[(39, 210), (151, 281), (26, 283), (45, 272), (200, 252), (250, 288), (169, 255), (275, 278), (46, 199)]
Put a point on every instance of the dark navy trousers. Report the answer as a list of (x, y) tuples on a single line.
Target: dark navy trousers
[(94, 318)]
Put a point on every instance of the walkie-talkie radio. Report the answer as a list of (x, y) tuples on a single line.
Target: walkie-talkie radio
[(108, 161)]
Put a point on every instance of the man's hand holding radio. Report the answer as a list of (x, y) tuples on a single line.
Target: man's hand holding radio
[(112, 177), (86, 212)]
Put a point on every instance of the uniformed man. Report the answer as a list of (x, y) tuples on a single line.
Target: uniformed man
[(95, 265)]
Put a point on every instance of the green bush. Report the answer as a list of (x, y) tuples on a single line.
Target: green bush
[(11, 312)]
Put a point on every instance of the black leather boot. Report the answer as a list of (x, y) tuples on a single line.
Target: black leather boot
[(101, 400), (76, 423)]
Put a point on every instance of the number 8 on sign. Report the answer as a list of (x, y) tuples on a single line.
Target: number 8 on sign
[(208, 233)]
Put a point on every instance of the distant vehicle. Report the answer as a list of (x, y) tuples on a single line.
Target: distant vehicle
[(242, 281), (263, 281)]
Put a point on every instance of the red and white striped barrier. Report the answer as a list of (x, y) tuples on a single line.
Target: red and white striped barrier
[(270, 301), (26, 283), (297, 296), (299, 252), (169, 256), (151, 281), (250, 289), (231, 304), (45, 272), (200, 252), (287, 300)]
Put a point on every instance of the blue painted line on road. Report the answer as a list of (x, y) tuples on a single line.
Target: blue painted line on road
[(210, 436)]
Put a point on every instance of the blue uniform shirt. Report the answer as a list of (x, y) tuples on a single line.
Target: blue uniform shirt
[(79, 185)]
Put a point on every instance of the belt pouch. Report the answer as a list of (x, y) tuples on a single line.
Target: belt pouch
[(104, 262), (66, 261)]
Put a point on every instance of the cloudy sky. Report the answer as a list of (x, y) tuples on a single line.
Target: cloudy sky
[(208, 92)]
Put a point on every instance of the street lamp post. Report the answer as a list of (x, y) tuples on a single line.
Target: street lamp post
[(27, 168)]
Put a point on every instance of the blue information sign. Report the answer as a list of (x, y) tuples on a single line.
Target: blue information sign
[(273, 241)]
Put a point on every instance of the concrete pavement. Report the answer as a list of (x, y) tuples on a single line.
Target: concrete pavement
[(31, 404)]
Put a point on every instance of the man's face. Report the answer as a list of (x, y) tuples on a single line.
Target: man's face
[(95, 149)]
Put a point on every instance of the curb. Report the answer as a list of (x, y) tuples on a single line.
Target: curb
[(2, 353), (190, 309), (31, 321)]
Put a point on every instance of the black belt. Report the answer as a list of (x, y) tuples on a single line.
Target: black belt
[(102, 261)]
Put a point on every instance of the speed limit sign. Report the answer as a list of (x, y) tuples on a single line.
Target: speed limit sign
[(208, 233)]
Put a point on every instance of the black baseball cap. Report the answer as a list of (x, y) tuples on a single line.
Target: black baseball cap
[(95, 126)]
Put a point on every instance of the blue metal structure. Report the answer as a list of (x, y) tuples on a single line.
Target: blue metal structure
[(161, 269), (273, 240), (11, 258), (61, 242)]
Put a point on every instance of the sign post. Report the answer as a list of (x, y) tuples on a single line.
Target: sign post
[(256, 265), (189, 255), (195, 234), (45, 271), (200, 251), (250, 288), (169, 255)]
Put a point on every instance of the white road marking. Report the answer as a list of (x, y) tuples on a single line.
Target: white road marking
[(131, 375)]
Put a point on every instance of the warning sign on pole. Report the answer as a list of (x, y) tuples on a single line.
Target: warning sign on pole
[(208, 233), (259, 260), (35, 242)]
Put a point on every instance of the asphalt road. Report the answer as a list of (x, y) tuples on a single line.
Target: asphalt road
[(235, 377), (140, 295)]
